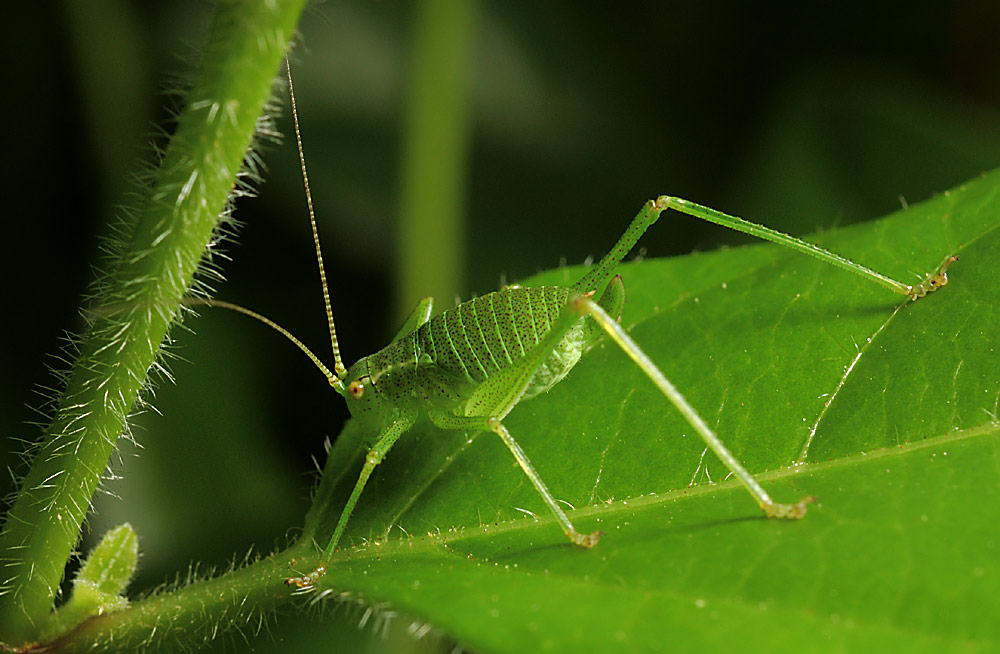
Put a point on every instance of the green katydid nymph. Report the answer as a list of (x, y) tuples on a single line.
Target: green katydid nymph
[(468, 367)]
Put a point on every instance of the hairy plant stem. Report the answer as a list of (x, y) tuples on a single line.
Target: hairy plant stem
[(148, 278), (196, 612)]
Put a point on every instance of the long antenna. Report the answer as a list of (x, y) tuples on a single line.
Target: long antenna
[(338, 364), (335, 381)]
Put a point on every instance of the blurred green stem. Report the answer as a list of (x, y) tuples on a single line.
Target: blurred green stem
[(436, 134)]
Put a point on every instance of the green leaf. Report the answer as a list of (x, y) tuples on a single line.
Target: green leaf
[(100, 584), (111, 565), (891, 404)]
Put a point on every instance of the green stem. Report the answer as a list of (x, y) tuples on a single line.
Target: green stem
[(190, 616), (431, 240), (150, 276)]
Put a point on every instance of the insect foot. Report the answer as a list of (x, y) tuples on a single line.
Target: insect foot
[(309, 580), (587, 540), (934, 282), (788, 511)]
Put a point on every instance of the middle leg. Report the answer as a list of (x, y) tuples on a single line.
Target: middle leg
[(493, 424)]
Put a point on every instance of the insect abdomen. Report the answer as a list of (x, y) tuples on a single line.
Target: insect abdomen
[(446, 358), (468, 343)]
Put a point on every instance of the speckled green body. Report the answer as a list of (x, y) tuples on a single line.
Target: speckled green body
[(441, 364), (468, 367), (484, 356)]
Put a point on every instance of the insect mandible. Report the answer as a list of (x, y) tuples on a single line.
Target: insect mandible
[(468, 367)]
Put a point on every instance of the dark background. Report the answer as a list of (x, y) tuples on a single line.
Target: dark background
[(801, 118)]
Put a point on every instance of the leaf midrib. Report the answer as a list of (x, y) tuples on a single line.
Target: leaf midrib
[(442, 542)]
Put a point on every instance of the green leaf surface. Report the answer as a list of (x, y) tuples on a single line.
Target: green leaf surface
[(891, 406)]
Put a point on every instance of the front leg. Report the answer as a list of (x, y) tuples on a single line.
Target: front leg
[(382, 445)]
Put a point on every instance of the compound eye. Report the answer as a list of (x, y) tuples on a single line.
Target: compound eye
[(356, 389)]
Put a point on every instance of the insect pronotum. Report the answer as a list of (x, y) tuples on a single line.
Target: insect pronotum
[(468, 367)]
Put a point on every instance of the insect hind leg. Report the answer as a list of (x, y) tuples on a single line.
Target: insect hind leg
[(583, 305)]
